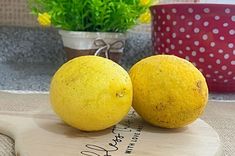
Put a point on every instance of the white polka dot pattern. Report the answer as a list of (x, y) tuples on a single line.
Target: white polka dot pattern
[(215, 31), (206, 23), (201, 60), (168, 29), (227, 10), (190, 10), (204, 37), (187, 58), (180, 42), (224, 67), (194, 33), (230, 45), (220, 51), (232, 32), (182, 29), (196, 43), (188, 48), (218, 61), (174, 10), (207, 10), (212, 44), (225, 24), (202, 49), (168, 17), (190, 23), (197, 17), (233, 18), (168, 40), (216, 72), (196, 30), (211, 55), (226, 56), (217, 17), (221, 38)]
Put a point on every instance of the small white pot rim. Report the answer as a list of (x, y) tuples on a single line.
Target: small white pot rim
[(84, 34), (85, 40)]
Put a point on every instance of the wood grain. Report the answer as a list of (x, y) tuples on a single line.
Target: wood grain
[(44, 134)]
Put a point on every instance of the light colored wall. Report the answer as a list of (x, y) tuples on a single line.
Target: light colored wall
[(16, 13)]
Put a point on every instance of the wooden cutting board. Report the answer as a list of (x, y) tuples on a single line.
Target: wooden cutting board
[(43, 134)]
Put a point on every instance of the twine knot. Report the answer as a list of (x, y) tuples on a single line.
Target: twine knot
[(107, 47)]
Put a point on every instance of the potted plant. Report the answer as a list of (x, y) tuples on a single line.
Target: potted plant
[(91, 27)]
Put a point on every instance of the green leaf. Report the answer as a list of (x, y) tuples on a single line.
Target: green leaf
[(90, 15)]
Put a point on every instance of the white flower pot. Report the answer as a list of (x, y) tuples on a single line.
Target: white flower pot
[(88, 43)]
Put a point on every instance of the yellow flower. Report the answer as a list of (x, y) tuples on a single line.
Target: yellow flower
[(145, 2), (145, 17), (44, 19)]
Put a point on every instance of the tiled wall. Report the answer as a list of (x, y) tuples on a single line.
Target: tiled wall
[(16, 13)]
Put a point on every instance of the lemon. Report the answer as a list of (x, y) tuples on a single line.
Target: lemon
[(168, 91), (91, 93)]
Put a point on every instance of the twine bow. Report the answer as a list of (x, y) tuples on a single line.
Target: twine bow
[(107, 47)]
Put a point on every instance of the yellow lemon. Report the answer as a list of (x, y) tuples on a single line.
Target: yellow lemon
[(168, 91), (91, 93)]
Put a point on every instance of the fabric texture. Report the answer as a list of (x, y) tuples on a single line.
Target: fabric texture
[(221, 116), (16, 13)]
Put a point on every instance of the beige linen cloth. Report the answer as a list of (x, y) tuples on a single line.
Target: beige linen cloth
[(220, 115)]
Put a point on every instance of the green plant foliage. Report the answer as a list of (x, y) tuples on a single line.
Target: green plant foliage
[(91, 15)]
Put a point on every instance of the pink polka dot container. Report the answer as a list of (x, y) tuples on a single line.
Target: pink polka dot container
[(204, 34)]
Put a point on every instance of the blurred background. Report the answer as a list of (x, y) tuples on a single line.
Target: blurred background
[(29, 54)]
